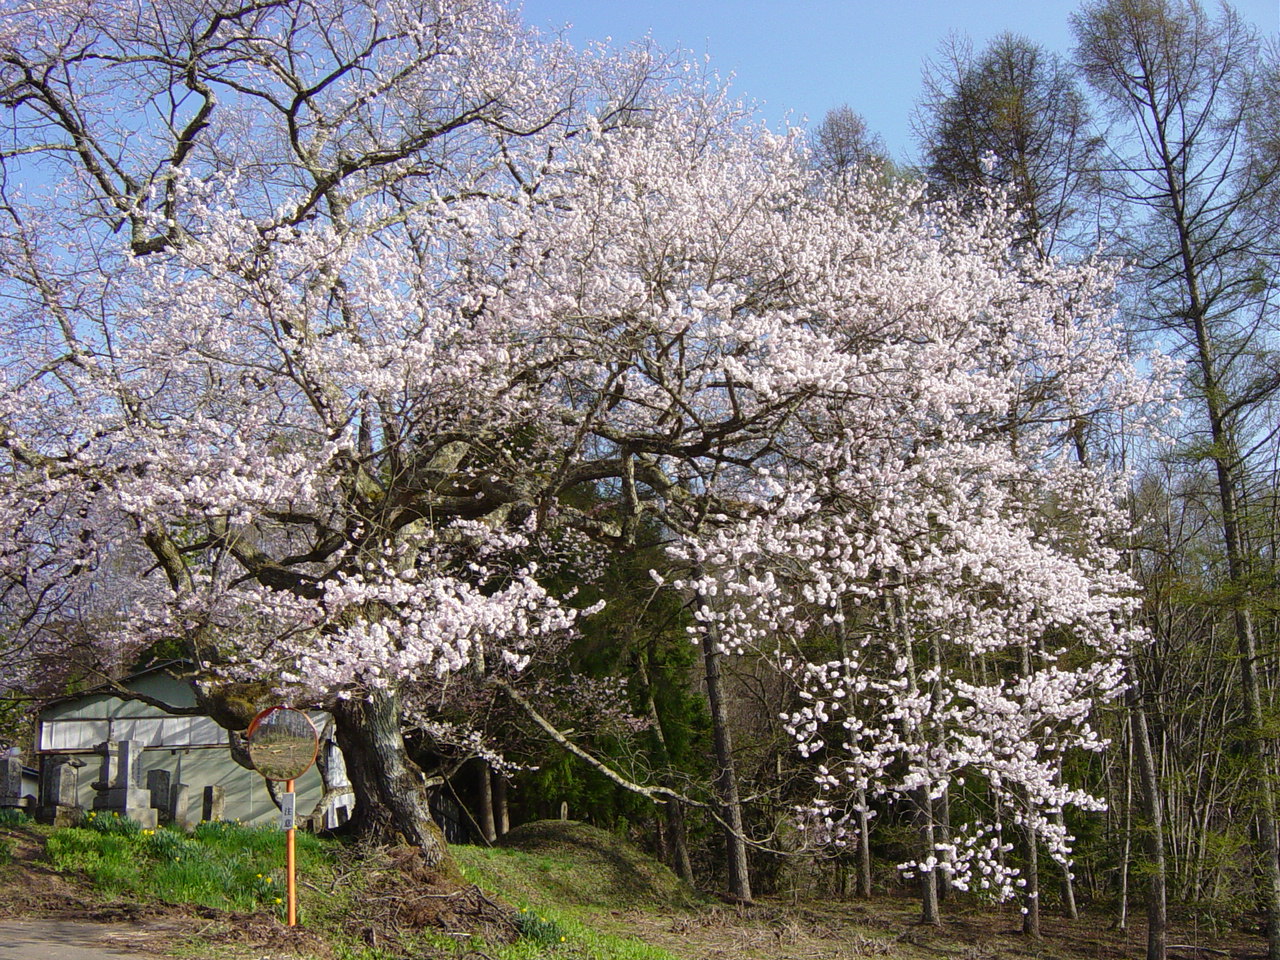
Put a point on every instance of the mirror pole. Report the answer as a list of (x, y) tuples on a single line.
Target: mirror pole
[(291, 880)]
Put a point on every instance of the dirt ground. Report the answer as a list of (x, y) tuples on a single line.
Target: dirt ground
[(888, 927), (75, 940)]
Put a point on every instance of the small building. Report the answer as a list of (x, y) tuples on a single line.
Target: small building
[(194, 750)]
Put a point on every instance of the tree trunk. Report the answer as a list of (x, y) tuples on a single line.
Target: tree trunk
[(1031, 900), (678, 840), (1227, 465), (1122, 918), (501, 809), (1069, 908), (864, 847), (1266, 794), (325, 765), (484, 789), (391, 799), (929, 911), (726, 780), (675, 840), (1226, 461), (1153, 835), (943, 835)]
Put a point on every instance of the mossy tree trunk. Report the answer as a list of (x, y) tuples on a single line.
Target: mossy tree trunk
[(390, 789)]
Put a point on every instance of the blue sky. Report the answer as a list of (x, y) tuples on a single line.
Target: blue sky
[(807, 56)]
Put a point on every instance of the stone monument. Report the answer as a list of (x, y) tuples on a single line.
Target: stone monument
[(11, 797), (179, 805), (117, 787), (59, 788), (158, 787), (214, 802)]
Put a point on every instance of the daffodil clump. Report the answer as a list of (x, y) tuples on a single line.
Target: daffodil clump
[(110, 823), (538, 928)]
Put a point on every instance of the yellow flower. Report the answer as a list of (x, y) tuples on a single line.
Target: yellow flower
[(271, 880), (522, 909), (115, 814), (562, 939), (278, 900)]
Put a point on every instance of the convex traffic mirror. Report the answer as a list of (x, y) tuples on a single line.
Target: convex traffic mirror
[(282, 743)]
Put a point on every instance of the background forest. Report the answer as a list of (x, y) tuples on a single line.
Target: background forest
[(820, 521)]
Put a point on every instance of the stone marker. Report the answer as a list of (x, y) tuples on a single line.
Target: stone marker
[(215, 801), (11, 784), (117, 787), (158, 784), (59, 791), (179, 799)]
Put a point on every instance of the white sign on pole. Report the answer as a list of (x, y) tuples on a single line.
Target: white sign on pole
[(288, 806)]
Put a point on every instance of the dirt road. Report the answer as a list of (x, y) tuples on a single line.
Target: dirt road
[(68, 940)]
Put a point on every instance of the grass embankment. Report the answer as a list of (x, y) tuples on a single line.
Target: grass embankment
[(556, 890), (567, 879), (537, 902), (222, 866)]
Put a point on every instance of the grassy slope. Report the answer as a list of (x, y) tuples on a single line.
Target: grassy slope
[(603, 888), (220, 866), (576, 865), (567, 879), (378, 908), (577, 893)]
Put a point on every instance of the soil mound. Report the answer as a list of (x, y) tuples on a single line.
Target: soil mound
[(592, 867)]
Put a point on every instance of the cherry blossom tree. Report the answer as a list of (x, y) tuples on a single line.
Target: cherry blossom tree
[(256, 407), (345, 323), (865, 406), (928, 517)]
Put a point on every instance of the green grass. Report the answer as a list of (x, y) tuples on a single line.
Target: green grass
[(225, 866), (566, 877), (558, 886), (576, 865), (555, 933), (9, 817)]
